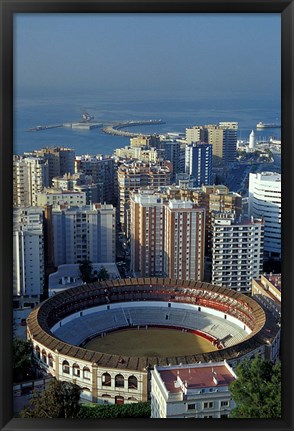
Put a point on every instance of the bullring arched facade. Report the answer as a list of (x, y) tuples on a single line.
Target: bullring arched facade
[(106, 378)]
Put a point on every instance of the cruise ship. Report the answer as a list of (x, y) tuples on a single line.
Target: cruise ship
[(262, 125)]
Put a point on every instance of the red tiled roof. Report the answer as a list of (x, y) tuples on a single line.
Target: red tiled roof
[(196, 377)]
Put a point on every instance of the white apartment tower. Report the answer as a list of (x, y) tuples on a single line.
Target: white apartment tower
[(237, 251), (265, 201), (84, 233), (30, 176), (28, 254)]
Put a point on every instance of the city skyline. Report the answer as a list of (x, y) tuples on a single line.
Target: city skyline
[(169, 214)]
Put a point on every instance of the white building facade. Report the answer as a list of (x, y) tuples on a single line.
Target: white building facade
[(192, 391), (237, 251), (30, 176), (54, 197), (28, 255), (265, 201), (84, 233)]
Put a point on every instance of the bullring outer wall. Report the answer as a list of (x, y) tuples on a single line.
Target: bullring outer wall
[(51, 352)]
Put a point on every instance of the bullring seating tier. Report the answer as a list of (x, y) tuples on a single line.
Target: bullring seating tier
[(58, 307), (81, 328)]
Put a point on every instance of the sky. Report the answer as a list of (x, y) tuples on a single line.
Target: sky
[(230, 53)]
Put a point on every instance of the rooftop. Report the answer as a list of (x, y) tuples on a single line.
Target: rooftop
[(196, 377), (275, 280)]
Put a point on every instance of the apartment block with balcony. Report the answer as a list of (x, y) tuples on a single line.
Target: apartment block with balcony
[(84, 233), (237, 251), (30, 176), (136, 175), (28, 255), (60, 160), (101, 168), (184, 245), (265, 201), (198, 163), (147, 213)]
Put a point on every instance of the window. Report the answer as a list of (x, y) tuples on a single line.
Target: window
[(44, 356), (38, 352), (106, 379), (119, 381), (86, 373), (65, 367), (132, 382), (76, 370), (191, 406), (224, 403), (208, 405), (50, 360)]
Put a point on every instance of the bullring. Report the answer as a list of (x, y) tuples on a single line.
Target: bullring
[(112, 378)]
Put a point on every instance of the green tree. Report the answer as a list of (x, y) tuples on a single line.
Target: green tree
[(86, 271), (100, 411), (257, 391), (103, 274), (22, 360), (59, 400)]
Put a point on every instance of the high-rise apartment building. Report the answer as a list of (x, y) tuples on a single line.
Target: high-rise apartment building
[(196, 134), (198, 163), (223, 138), (237, 251), (184, 232), (147, 214), (216, 198), (138, 175), (265, 201), (30, 176), (102, 170), (84, 233), (175, 152), (167, 237), (224, 141), (28, 255), (60, 160)]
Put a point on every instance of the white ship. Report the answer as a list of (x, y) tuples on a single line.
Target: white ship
[(262, 125)]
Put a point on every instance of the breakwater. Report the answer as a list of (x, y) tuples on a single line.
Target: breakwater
[(115, 128)]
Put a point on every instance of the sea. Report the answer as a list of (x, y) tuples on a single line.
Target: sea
[(177, 109)]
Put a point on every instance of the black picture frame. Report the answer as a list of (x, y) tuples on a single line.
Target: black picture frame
[(10, 7)]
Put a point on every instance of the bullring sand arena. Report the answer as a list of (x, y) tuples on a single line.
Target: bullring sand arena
[(144, 342)]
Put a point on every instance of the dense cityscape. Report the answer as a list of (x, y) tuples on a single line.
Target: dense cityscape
[(147, 216), (173, 232)]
